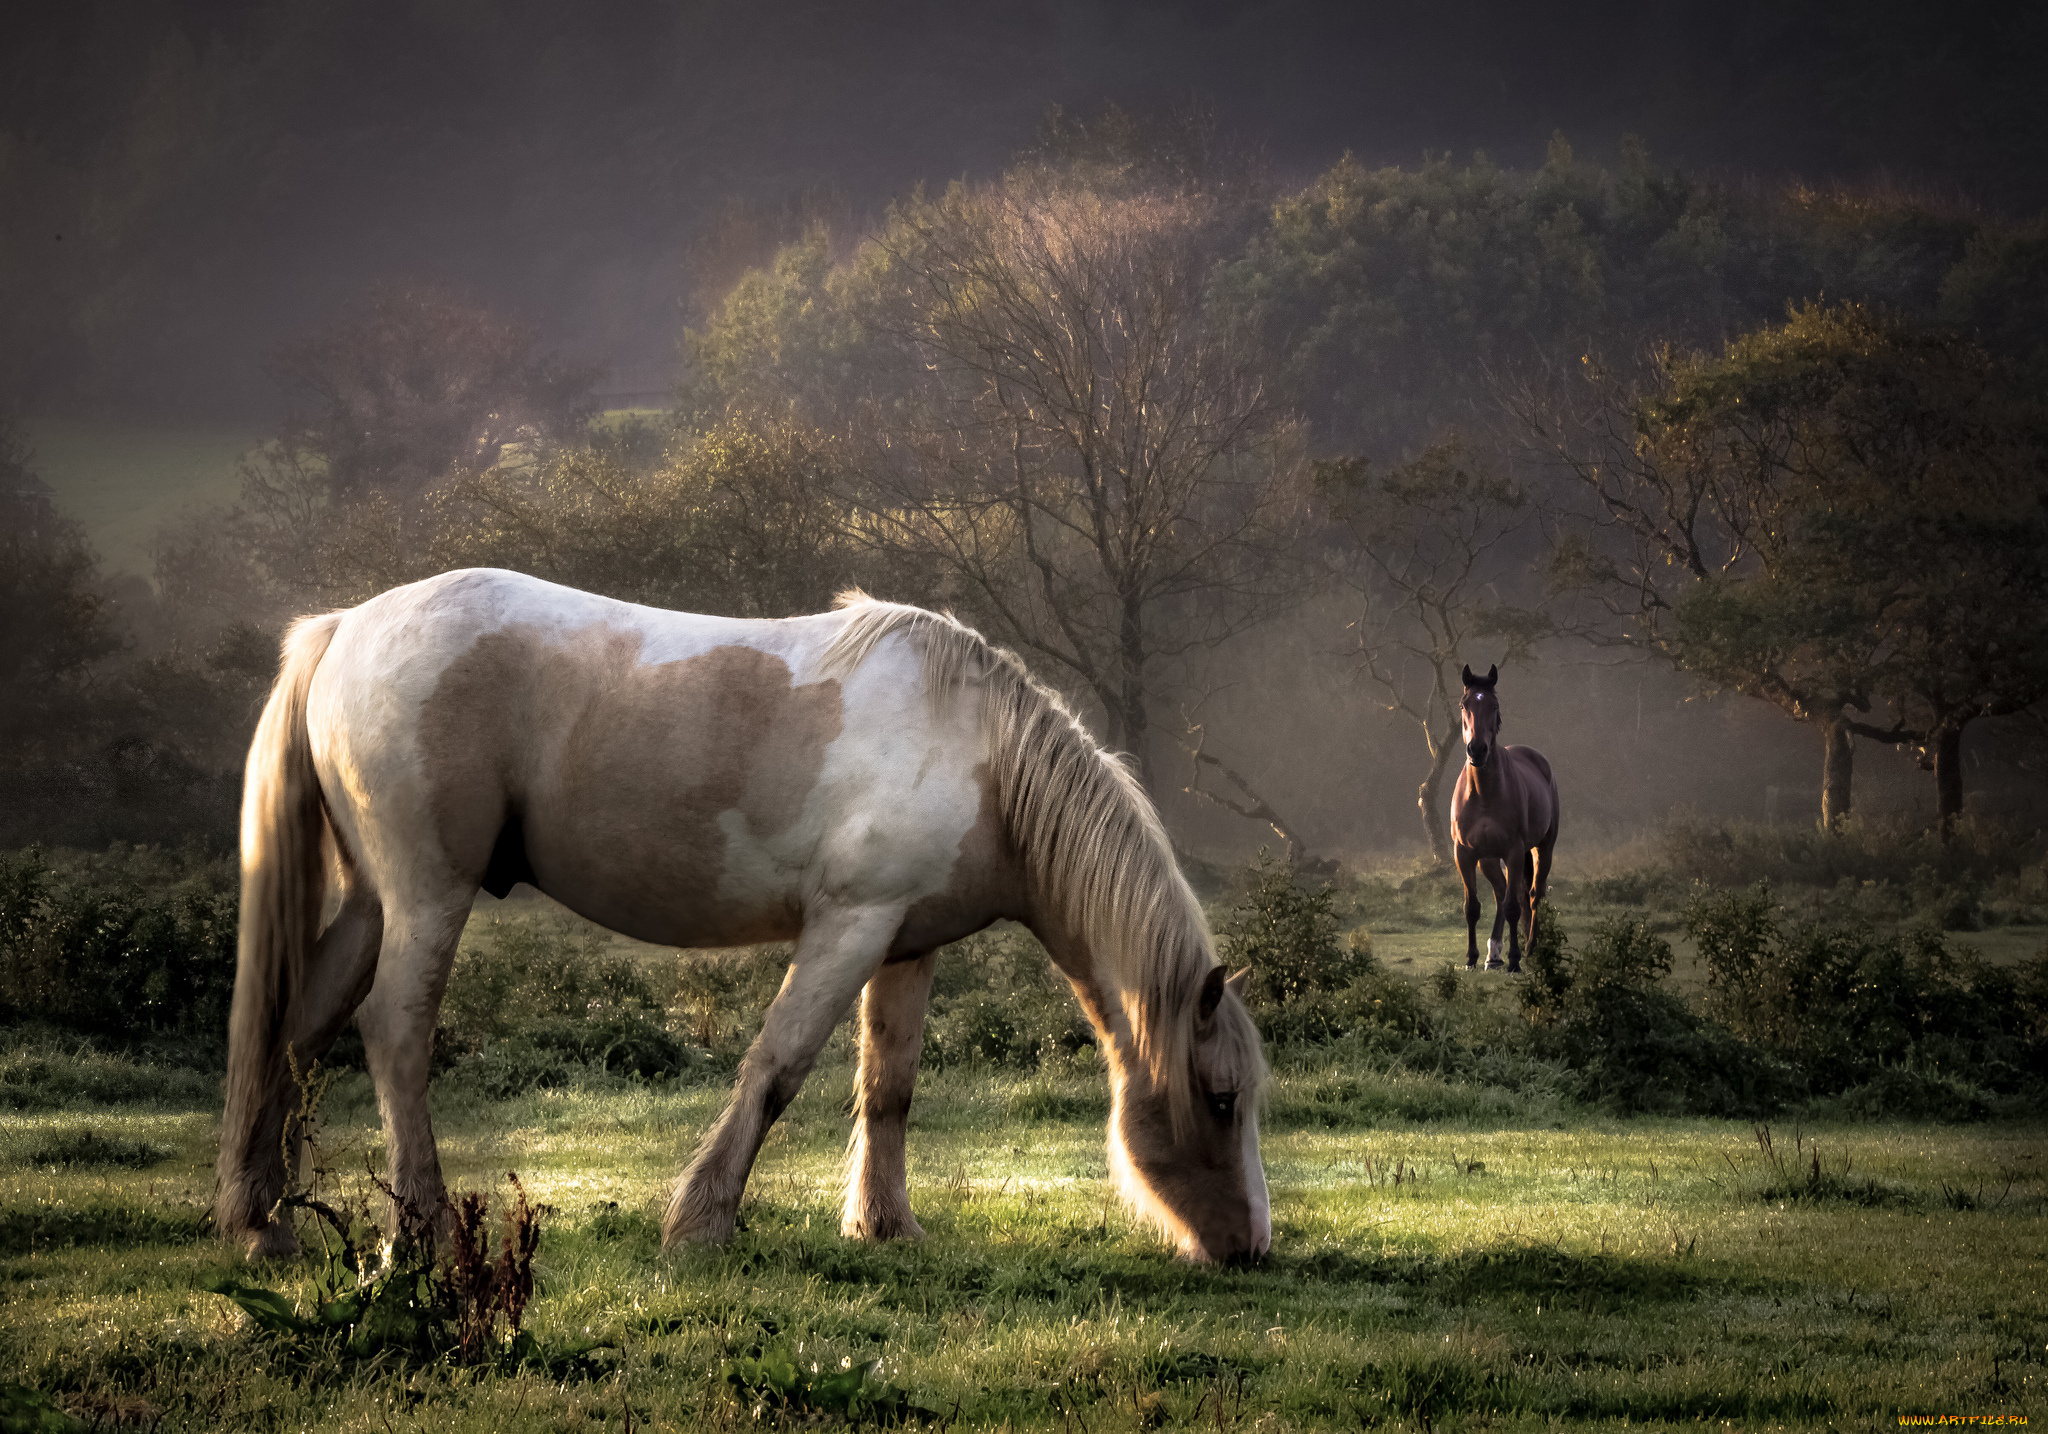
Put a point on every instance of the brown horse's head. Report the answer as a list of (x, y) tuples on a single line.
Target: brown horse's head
[(1196, 1173), (1479, 715)]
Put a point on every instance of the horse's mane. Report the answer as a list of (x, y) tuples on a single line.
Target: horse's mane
[(1089, 836)]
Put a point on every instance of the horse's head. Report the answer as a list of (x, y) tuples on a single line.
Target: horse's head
[(1479, 715), (1195, 1171)]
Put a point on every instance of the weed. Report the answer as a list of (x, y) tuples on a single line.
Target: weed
[(775, 1380)]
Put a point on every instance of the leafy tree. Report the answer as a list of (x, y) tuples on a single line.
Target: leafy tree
[(1814, 516), (414, 384), (742, 519), (1426, 547), (1397, 298)]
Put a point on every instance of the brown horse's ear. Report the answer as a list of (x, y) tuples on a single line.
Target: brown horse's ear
[(1492, 674), (1212, 992), (1240, 982), (1470, 680)]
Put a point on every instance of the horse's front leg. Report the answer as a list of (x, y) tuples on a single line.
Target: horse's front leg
[(1491, 870), (837, 953), (1468, 862), (891, 1040)]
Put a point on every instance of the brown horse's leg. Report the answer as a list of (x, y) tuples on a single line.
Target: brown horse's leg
[(1540, 882), (839, 950), (1515, 904), (1491, 870), (397, 1022), (1468, 861), (891, 1040)]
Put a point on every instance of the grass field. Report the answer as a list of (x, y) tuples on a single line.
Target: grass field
[(1521, 1267)]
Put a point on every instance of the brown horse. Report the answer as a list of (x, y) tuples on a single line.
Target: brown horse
[(872, 783), (1503, 822)]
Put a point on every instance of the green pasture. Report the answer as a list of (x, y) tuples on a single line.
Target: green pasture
[(1517, 1266)]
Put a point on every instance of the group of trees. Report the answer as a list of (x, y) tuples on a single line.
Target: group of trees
[(1843, 514), (1124, 402)]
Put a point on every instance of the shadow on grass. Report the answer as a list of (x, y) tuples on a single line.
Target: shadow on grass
[(104, 1227), (1425, 1388)]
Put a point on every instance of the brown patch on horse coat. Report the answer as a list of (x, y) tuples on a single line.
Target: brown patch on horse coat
[(986, 883), (619, 772)]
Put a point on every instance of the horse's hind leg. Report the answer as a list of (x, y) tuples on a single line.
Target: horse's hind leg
[(1491, 868), (339, 970), (891, 1040), (839, 950), (397, 1022), (1514, 907), (1539, 884)]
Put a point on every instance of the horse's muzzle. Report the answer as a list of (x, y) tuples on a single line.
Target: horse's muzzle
[(1477, 753)]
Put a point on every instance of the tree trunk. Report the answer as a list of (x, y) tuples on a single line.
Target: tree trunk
[(1837, 767), (1948, 777), (1434, 822)]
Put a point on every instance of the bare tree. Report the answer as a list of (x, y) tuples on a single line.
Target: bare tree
[(1083, 445), (1428, 547)]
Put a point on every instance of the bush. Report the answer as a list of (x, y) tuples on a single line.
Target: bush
[(1846, 1004), (1862, 849), (1633, 1045), (1306, 984), (997, 999), (535, 1003), (94, 952)]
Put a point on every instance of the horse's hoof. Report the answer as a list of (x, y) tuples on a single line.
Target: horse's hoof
[(1471, 963), (273, 1241), (701, 1231), (1514, 968), (902, 1228), (1493, 965)]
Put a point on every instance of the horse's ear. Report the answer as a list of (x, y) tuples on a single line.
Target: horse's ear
[(1212, 992), (1240, 983), (1470, 680), (1492, 674)]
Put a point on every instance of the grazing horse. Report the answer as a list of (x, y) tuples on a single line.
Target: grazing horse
[(872, 783), (1503, 814)]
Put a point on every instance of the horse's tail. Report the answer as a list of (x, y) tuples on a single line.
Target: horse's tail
[(283, 822)]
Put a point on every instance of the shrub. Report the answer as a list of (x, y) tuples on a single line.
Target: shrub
[(534, 1003), (1863, 849), (997, 999), (1306, 984), (1635, 1046), (1846, 1004), (94, 952)]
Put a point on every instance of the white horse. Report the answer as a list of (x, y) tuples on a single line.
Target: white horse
[(873, 783)]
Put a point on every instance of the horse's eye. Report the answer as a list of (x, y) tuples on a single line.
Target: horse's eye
[(1223, 1103)]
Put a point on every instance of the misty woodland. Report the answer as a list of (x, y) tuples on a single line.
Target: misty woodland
[(1003, 737)]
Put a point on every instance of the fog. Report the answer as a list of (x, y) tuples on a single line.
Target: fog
[(195, 198), (188, 185)]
